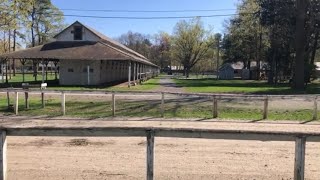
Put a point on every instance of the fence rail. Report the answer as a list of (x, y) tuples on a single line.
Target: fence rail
[(300, 139), (215, 98)]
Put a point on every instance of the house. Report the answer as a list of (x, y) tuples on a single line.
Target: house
[(87, 57), (226, 72)]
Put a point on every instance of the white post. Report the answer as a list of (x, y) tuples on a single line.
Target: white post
[(88, 74), (150, 154), (299, 161), (315, 108), (129, 74), (113, 104), (265, 108), (162, 104), (3, 155), (63, 103), (16, 104), (215, 107)]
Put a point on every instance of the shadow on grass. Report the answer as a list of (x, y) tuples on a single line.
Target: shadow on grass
[(266, 88)]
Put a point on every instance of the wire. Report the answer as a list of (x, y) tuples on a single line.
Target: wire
[(149, 11), (159, 17)]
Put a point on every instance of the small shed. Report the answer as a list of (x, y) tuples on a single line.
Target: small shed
[(226, 72)]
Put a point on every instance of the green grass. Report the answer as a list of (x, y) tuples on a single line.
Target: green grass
[(29, 78), (240, 86), (16, 81), (144, 108)]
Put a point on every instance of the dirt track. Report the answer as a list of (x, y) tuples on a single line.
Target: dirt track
[(124, 158)]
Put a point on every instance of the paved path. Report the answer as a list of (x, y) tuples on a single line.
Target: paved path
[(167, 84)]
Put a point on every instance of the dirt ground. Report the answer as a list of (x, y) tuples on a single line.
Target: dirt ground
[(35, 158)]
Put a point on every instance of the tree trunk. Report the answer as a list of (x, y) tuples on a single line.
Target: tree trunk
[(14, 49), (187, 72), (32, 27), (313, 56), (300, 41)]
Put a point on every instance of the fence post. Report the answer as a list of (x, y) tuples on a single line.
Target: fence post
[(215, 107), (3, 155), (162, 104), (42, 100), (26, 96), (8, 99), (150, 154), (63, 103), (299, 160), (315, 109), (113, 104), (265, 107), (16, 103)]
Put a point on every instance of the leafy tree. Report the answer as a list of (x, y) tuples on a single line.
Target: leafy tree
[(191, 42)]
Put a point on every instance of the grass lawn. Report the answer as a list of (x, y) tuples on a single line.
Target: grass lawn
[(240, 86), (16, 81), (28, 78), (87, 108)]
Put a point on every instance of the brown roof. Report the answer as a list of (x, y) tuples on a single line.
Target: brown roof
[(106, 40), (74, 50), (105, 49)]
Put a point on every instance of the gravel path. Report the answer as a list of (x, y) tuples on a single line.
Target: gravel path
[(168, 85)]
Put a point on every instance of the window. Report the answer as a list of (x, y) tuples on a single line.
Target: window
[(77, 32), (70, 70), (85, 70)]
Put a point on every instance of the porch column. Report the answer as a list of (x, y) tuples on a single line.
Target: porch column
[(134, 72), (129, 74), (138, 74), (55, 70), (88, 74), (42, 71)]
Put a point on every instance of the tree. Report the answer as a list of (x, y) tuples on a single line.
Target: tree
[(136, 41), (161, 50), (191, 42)]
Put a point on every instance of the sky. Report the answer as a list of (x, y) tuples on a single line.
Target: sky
[(115, 27)]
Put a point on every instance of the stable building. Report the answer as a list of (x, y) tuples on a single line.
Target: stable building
[(87, 57)]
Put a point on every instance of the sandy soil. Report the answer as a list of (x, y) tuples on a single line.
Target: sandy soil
[(33, 158)]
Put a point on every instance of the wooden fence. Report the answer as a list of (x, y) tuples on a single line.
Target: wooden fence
[(150, 134), (215, 99)]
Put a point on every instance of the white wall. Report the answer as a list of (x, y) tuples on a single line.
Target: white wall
[(87, 35), (79, 76)]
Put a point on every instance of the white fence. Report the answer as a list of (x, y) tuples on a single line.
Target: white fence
[(150, 134), (215, 99)]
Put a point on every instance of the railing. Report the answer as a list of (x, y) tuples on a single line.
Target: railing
[(215, 99), (150, 133)]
